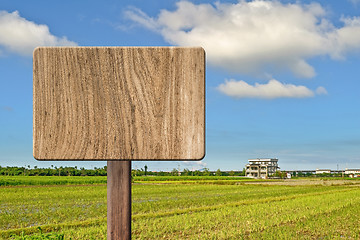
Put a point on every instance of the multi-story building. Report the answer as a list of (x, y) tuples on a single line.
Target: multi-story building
[(261, 167)]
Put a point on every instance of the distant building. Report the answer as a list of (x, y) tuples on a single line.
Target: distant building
[(322, 171), (352, 171), (261, 167)]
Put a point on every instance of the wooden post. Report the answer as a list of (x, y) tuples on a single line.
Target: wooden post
[(119, 200)]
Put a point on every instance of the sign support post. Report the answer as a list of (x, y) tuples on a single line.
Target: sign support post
[(119, 200)]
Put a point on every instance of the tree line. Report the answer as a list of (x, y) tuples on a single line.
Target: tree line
[(187, 172), (52, 171), (102, 171)]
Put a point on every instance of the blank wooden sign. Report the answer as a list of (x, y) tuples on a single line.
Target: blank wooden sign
[(112, 103)]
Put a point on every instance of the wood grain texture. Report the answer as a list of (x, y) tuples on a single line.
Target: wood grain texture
[(109, 103), (119, 200)]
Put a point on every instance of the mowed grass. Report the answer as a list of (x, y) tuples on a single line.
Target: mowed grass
[(190, 209)]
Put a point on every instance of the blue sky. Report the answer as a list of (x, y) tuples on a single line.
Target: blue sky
[(282, 77)]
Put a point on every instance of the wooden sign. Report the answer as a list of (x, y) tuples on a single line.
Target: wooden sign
[(119, 103)]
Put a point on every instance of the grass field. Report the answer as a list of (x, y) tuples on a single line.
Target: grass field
[(192, 208)]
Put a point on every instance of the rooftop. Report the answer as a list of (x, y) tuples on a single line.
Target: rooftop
[(263, 160)]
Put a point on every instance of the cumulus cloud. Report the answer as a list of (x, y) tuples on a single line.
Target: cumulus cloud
[(257, 36), (346, 39), (19, 35), (272, 89)]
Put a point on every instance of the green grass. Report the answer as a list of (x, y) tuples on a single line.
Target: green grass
[(83, 180), (40, 235), (204, 209), (193, 178), (50, 180)]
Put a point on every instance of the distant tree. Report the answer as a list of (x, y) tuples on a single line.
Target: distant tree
[(175, 172), (146, 168), (54, 171), (186, 172), (280, 174), (232, 173), (218, 172), (161, 173), (206, 172), (35, 171), (323, 175), (133, 173), (139, 172)]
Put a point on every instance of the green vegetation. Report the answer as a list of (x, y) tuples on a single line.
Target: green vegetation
[(188, 208), (74, 171), (82, 180), (53, 171), (38, 236), (50, 180)]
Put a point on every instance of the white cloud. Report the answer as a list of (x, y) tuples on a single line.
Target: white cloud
[(347, 39), (140, 17), (355, 2), (194, 165), (256, 37), (321, 91), (272, 89), (21, 36)]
